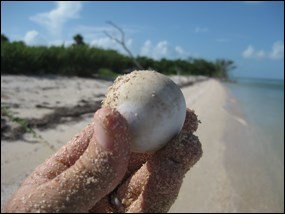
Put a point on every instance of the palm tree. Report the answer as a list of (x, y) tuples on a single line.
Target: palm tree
[(78, 39), (223, 68)]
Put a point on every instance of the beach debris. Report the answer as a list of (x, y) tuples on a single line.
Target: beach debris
[(153, 106)]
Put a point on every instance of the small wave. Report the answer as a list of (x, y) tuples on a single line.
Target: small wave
[(242, 121)]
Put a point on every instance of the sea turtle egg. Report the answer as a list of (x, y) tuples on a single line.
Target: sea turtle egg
[(153, 106)]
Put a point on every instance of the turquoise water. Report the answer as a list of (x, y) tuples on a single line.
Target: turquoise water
[(263, 105), (255, 157)]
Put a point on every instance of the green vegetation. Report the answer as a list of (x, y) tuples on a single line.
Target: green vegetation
[(24, 124), (106, 73), (80, 59)]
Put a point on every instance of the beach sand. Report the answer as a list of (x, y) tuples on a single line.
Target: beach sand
[(207, 187), (32, 98)]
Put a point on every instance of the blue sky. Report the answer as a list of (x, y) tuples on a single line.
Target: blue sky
[(249, 33)]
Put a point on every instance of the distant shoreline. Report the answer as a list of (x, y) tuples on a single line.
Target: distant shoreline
[(264, 80)]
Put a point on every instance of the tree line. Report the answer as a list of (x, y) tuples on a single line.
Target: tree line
[(80, 59)]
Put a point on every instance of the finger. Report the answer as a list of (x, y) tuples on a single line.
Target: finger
[(136, 161), (154, 187), (105, 204), (102, 165), (191, 121), (65, 157)]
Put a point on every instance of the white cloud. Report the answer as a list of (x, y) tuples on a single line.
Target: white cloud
[(181, 53), (30, 36), (146, 48), (56, 18), (260, 54), (33, 38), (277, 52), (201, 30), (179, 50), (249, 52), (162, 50)]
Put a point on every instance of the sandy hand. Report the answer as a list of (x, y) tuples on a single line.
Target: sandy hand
[(96, 172)]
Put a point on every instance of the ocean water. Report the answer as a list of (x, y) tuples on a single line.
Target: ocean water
[(255, 155), (263, 104)]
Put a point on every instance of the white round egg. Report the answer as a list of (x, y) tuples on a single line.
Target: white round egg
[(153, 106)]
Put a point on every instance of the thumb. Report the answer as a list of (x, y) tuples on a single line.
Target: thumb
[(99, 169)]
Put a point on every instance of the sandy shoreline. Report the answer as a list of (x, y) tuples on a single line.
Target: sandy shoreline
[(206, 188)]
